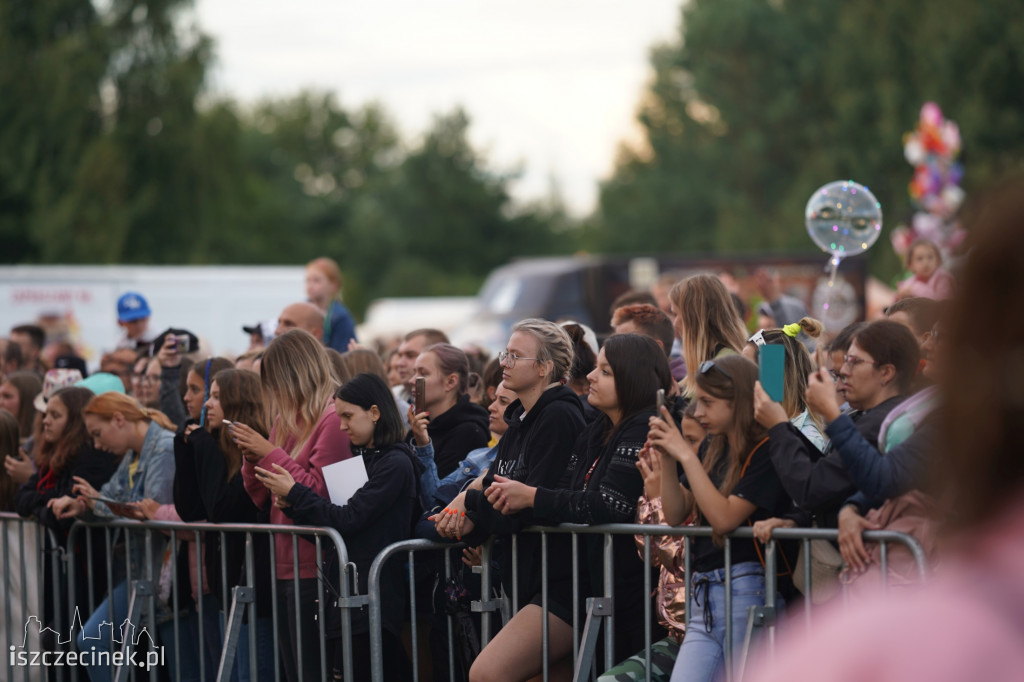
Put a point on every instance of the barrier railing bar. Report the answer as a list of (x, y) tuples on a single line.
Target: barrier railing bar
[(647, 608)]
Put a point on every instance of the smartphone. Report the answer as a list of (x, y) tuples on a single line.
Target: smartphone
[(106, 500), (771, 369), (182, 343), (660, 400), (421, 389), (226, 422)]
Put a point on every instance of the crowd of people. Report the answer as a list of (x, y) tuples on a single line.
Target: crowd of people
[(665, 421)]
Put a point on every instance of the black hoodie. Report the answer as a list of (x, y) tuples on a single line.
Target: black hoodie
[(534, 450), (380, 513), (455, 433)]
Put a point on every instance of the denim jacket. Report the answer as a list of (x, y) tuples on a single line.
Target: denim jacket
[(467, 470), (153, 479)]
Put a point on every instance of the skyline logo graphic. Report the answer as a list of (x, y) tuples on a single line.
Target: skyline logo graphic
[(96, 650)]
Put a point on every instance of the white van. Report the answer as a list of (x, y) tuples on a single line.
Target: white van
[(214, 302)]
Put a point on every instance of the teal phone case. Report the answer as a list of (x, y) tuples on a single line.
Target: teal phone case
[(771, 360)]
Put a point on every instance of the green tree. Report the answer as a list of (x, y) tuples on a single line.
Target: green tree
[(442, 219), (760, 102), (101, 132)]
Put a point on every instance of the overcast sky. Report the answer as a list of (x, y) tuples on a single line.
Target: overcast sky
[(551, 86)]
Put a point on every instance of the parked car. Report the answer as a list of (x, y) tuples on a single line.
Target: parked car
[(582, 288)]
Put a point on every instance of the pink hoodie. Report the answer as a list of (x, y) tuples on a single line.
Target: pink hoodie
[(326, 445)]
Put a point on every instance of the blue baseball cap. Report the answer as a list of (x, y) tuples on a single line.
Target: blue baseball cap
[(132, 306)]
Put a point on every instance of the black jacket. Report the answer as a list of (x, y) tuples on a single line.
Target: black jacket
[(602, 485), (463, 428), (95, 466), (534, 450), (379, 514), (819, 483), (203, 492)]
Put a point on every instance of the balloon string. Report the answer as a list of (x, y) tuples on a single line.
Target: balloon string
[(833, 267)]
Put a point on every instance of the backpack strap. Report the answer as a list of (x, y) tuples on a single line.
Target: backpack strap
[(757, 546)]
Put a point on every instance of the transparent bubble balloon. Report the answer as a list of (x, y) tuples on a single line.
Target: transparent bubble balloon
[(843, 218)]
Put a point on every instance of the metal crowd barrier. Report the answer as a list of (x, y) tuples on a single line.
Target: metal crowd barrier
[(28, 552), (142, 591), (600, 608), (22, 562)]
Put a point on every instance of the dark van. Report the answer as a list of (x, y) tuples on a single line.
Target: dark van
[(582, 288)]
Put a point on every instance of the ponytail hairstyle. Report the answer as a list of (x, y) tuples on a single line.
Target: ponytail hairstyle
[(205, 370), (798, 364), (57, 456), (555, 346), (709, 322), (584, 358), (106, 404), (731, 378), (451, 360), (241, 400)]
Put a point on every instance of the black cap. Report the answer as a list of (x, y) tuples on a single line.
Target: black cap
[(71, 362)]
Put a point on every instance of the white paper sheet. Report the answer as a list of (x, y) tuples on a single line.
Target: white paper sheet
[(344, 478)]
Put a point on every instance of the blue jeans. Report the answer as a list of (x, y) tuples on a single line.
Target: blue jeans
[(702, 654), (264, 652), (163, 637)]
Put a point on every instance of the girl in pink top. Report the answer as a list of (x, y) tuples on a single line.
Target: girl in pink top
[(298, 385), (929, 279)]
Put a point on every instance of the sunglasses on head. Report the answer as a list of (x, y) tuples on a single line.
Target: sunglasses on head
[(709, 365)]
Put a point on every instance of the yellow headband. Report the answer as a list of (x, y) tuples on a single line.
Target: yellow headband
[(791, 330)]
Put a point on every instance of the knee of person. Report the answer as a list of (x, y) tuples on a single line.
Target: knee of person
[(481, 671)]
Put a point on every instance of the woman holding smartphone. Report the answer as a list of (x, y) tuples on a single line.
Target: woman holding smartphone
[(65, 450), (305, 436), (380, 513), (601, 485), (730, 481), (208, 487), (145, 440), (544, 424)]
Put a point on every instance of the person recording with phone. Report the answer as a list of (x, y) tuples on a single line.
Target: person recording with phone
[(145, 476), (543, 425), (457, 425), (601, 484), (305, 436), (172, 350), (878, 370), (208, 487)]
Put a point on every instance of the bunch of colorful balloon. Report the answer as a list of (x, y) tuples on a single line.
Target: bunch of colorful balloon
[(932, 148)]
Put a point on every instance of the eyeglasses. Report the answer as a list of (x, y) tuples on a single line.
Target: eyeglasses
[(709, 365), (149, 379), (758, 338), (934, 334), (853, 361), (510, 359)]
